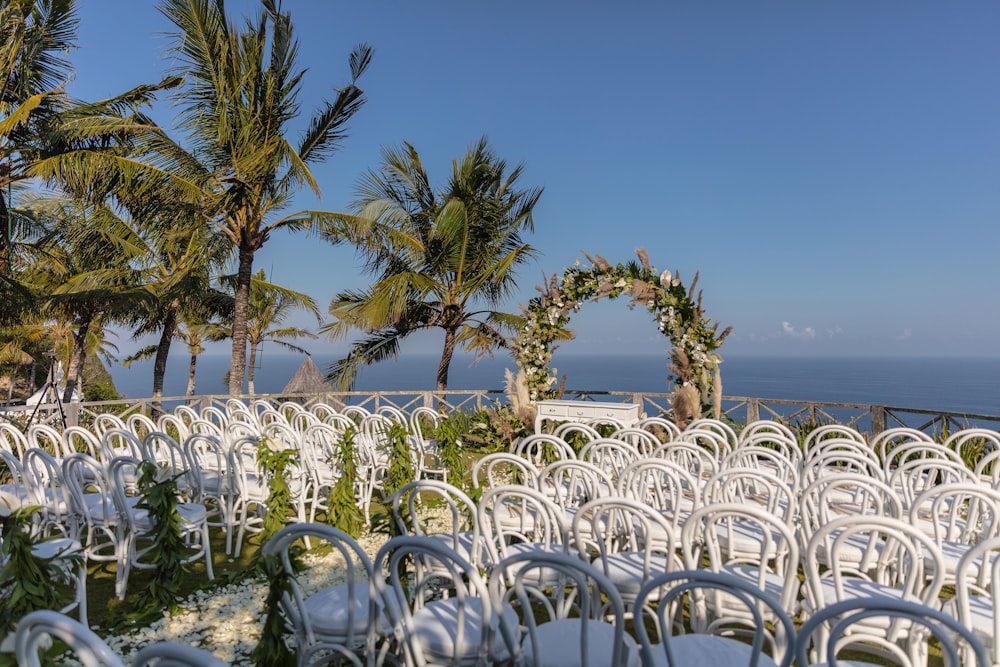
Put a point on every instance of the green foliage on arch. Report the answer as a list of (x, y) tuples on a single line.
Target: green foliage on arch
[(694, 361)]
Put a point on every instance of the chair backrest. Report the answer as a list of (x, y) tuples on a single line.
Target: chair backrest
[(914, 477), (675, 590), (917, 450), (12, 439), (173, 425), (835, 495), (459, 513), (582, 594), (609, 454), (663, 485), (503, 468), (715, 443), (768, 428), (974, 444), (105, 421), (787, 445), (615, 524), (640, 440), (701, 463), (883, 443), (90, 491), (119, 442), (574, 483), (80, 439), (43, 436), (34, 629), (754, 488), (771, 461), (423, 421), (140, 424), (542, 449), (216, 416), (964, 512), (661, 427), (881, 550), (823, 461), (716, 426), (515, 514), (920, 620), (831, 432), (576, 432)]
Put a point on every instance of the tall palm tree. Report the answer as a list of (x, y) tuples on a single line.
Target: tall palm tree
[(443, 260), (237, 102), (270, 306)]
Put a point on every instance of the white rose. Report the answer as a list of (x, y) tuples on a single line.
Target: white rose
[(9, 503), (665, 278)]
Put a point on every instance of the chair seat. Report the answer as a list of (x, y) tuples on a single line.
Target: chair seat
[(537, 576), (329, 611), (191, 514), (708, 651), (774, 584), (435, 630), (745, 537), (57, 548), (464, 544), (860, 588), (627, 570), (559, 643)]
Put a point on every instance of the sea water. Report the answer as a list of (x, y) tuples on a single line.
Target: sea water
[(949, 384)]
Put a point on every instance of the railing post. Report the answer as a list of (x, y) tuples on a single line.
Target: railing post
[(72, 412), (878, 419), (753, 410)]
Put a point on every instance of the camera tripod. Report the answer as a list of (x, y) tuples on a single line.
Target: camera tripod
[(50, 386)]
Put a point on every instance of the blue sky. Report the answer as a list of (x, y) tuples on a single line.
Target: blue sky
[(830, 168)]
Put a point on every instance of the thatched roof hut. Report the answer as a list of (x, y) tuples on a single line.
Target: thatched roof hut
[(307, 380)]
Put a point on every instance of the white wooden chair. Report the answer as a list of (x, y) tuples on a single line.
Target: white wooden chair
[(578, 621), (35, 629), (729, 640)]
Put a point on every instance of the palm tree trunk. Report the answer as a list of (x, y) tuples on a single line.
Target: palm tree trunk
[(162, 350), (76, 359), (5, 235), (191, 367), (238, 367), (250, 369), (446, 354)]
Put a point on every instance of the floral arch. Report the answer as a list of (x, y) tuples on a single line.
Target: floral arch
[(694, 341)]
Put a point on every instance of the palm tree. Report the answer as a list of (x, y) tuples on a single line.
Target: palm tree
[(83, 270), (442, 260), (270, 306), (180, 256), (237, 101), (34, 34)]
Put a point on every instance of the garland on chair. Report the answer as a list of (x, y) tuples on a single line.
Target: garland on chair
[(29, 582), (275, 462), (158, 491), (693, 337), (342, 509)]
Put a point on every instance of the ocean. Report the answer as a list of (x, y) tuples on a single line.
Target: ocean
[(968, 385)]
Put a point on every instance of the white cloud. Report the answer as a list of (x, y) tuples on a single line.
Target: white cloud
[(805, 334), (906, 335)]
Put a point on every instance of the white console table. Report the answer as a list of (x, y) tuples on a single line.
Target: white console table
[(582, 411)]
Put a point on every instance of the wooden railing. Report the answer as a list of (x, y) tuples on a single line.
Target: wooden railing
[(740, 409)]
